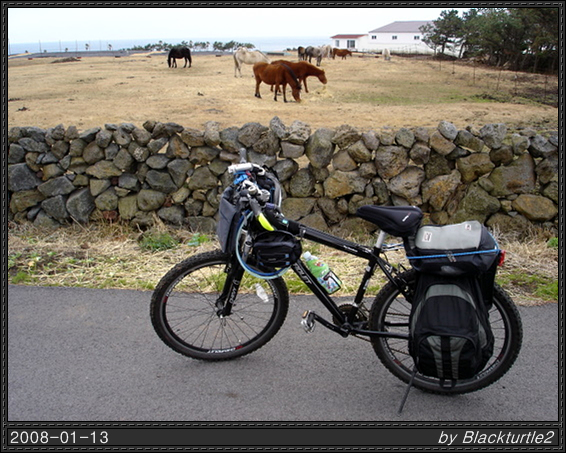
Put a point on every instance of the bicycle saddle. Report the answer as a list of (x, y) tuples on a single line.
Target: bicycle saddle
[(399, 221)]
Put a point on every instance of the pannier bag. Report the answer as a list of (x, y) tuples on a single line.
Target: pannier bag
[(275, 250), (450, 337), (457, 249), (228, 218)]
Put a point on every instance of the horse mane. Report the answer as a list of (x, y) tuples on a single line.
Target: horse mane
[(292, 73)]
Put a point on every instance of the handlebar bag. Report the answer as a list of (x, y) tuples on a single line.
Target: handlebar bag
[(228, 218), (457, 249), (276, 250)]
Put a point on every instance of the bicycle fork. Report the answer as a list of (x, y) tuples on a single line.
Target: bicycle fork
[(225, 302)]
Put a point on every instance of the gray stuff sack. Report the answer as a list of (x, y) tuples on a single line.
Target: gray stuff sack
[(463, 248)]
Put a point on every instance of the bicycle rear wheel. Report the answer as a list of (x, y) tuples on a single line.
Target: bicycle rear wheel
[(390, 312), (185, 309)]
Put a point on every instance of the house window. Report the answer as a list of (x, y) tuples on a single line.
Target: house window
[(337, 43), (351, 43), (417, 38), (373, 37), (394, 37)]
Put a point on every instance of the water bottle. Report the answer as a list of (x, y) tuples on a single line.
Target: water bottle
[(322, 272)]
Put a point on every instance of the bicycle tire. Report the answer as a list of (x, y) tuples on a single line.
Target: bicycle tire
[(185, 316), (390, 307)]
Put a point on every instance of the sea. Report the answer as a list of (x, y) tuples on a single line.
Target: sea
[(269, 44)]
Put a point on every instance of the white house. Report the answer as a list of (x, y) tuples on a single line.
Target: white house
[(400, 37), (351, 42)]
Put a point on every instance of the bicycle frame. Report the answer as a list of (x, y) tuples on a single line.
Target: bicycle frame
[(372, 255), (346, 320)]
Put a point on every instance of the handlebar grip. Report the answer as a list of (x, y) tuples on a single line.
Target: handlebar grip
[(278, 220), (246, 166)]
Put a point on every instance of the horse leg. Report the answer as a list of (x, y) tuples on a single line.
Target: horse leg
[(284, 91), (304, 80), (257, 84)]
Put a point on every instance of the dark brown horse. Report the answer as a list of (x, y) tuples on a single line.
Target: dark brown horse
[(304, 69), (341, 53), (302, 54), (279, 75), (179, 52)]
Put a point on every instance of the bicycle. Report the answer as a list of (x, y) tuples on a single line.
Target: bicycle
[(218, 306)]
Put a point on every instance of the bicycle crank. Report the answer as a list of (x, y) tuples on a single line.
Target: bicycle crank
[(360, 319), (308, 321)]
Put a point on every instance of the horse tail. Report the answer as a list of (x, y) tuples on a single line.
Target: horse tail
[(169, 59)]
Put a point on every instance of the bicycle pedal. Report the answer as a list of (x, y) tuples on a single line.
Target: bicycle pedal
[(308, 321)]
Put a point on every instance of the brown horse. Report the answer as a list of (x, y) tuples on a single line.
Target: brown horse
[(304, 69), (279, 75), (341, 53)]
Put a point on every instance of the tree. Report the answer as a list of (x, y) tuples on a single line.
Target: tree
[(517, 38), (541, 44), (430, 37), (470, 38), (445, 32)]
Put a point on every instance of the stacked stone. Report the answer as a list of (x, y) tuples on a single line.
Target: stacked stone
[(121, 171)]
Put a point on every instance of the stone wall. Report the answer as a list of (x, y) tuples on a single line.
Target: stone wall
[(136, 174)]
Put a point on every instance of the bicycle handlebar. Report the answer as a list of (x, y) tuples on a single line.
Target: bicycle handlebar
[(269, 215)]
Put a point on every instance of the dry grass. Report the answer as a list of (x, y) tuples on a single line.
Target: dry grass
[(110, 256), (368, 93)]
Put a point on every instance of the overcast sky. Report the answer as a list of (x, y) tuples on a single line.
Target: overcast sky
[(27, 25)]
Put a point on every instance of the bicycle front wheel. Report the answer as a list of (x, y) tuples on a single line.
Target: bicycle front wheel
[(185, 309), (390, 312)]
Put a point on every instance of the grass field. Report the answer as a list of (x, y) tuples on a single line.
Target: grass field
[(368, 93)]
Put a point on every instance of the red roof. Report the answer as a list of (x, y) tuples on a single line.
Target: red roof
[(346, 36)]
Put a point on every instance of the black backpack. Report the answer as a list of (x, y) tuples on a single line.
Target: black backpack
[(450, 334)]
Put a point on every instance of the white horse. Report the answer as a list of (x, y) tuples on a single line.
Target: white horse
[(386, 54), (243, 55), (326, 51)]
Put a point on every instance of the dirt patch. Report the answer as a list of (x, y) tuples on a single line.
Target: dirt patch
[(368, 93)]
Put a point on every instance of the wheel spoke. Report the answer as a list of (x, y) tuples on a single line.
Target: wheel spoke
[(185, 311)]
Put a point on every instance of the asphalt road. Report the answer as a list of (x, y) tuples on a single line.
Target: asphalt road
[(92, 355)]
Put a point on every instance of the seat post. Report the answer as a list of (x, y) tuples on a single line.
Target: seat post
[(380, 239)]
